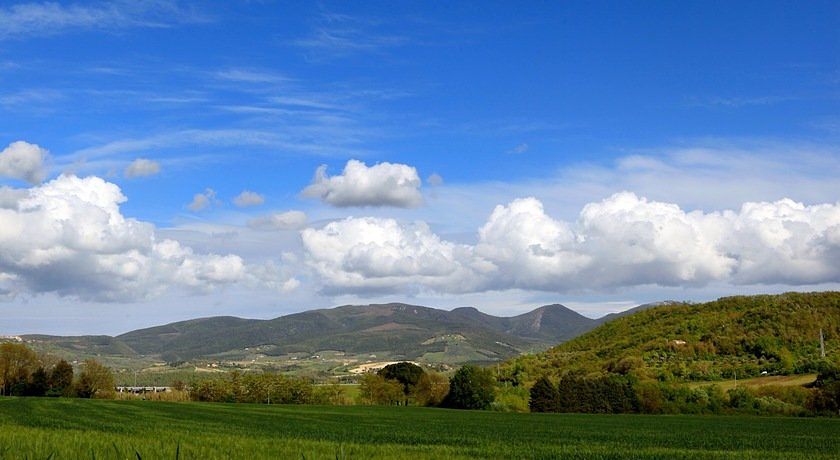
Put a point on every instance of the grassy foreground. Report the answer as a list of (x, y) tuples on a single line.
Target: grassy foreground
[(36, 428)]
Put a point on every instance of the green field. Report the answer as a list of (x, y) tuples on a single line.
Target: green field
[(36, 428)]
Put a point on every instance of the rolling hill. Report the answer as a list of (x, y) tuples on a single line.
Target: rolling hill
[(739, 336), (397, 330)]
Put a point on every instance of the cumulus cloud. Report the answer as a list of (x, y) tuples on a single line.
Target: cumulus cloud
[(142, 167), (202, 200), (289, 220), (383, 184), (69, 237), (24, 161), (373, 254), (248, 198), (621, 241)]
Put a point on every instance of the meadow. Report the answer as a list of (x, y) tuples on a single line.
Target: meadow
[(43, 428)]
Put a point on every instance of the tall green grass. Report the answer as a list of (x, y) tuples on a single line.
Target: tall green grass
[(36, 428)]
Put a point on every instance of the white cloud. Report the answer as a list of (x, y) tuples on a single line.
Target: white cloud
[(69, 237), (383, 184), (24, 161), (251, 76), (289, 220), (202, 200), (142, 167), (248, 198), (621, 241), (49, 18), (373, 254), (9, 197), (341, 35)]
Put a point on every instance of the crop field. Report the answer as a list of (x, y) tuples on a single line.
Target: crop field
[(36, 428)]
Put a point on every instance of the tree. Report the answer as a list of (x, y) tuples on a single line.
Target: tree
[(38, 383), (408, 374), (431, 389), (544, 396), (17, 362), (470, 388), (95, 381), (375, 389), (61, 379)]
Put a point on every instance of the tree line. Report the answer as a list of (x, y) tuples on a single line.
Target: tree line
[(615, 393), (24, 372)]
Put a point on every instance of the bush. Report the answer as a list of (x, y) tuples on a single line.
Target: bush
[(509, 398)]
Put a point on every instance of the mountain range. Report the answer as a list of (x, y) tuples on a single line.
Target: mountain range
[(396, 330)]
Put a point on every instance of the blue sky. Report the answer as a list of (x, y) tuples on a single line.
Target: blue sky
[(703, 106)]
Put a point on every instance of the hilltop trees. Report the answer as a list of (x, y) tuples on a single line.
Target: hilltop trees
[(743, 335)]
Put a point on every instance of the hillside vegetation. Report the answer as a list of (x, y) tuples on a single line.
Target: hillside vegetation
[(743, 336)]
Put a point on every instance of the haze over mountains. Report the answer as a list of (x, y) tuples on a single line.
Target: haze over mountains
[(397, 330)]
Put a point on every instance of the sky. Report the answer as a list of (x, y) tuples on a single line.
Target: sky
[(162, 160)]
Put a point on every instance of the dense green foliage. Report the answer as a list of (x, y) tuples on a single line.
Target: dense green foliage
[(733, 336), (376, 389), (470, 388), (254, 388), (544, 396), (61, 428), (26, 373), (404, 383), (408, 374)]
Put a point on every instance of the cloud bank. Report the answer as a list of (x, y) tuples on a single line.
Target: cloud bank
[(621, 241), (68, 237), (383, 184)]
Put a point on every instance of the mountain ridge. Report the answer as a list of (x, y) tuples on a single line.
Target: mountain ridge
[(403, 330)]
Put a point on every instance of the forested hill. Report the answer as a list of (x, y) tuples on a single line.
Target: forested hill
[(747, 335), (395, 330)]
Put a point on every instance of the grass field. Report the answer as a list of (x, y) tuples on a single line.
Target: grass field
[(35, 428), (780, 380)]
